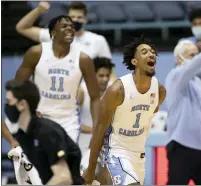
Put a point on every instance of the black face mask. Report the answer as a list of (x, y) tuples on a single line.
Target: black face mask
[(12, 113), (77, 26)]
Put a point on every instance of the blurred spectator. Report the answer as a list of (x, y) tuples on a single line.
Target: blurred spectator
[(184, 110), (195, 19), (184, 50)]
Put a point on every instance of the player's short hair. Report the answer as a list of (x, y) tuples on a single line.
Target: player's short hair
[(26, 90), (77, 6), (194, 13), (55, 20), (102, 62), (130, 50), (180, 47)]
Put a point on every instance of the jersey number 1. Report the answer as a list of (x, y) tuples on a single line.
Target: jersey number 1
[(61, 84), (136, 125)]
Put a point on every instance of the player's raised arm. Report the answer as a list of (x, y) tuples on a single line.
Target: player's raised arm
[(112, 98), (25, 25), (31, 58), (88, 71)]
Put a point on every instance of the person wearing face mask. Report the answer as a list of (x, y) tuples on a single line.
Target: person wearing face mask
[(184, 116), (92, 44), (195, 20), (45, 143)]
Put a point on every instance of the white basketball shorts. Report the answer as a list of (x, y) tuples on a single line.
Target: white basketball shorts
[(125, 169)]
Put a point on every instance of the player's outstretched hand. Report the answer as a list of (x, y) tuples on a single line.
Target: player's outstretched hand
[(88, 176), (43, 6)]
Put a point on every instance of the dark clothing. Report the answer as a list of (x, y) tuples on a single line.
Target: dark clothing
[(46, 142), (184, 164)]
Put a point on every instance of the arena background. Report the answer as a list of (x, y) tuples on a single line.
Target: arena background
[(163, 22)]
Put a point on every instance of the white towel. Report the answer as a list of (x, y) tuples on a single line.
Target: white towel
[(25, 172)]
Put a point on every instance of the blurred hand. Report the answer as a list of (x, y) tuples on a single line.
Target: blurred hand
[(89, 176), (43, 6), (15, 153)]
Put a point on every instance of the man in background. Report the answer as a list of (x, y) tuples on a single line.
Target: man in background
[(184, 116), (44, 142), (195, 20)]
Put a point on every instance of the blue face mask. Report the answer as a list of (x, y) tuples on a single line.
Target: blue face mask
[(197, 32)]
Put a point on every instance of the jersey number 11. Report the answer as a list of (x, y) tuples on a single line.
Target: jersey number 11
[(61, 84)]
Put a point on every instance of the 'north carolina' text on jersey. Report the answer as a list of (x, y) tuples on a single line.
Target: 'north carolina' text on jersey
[(58, 81), (130, 125)]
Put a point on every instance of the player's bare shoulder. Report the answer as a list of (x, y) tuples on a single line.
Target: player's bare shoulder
[(84, 58), (31, 59), (86, 63), (33, 54), (116, 92)]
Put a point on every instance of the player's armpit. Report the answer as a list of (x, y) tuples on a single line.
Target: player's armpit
[(31, 59)]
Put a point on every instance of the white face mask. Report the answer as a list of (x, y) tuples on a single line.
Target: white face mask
[(196, 30)]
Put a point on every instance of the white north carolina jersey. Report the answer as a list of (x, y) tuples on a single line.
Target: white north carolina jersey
[(58, 81), (130, 125)]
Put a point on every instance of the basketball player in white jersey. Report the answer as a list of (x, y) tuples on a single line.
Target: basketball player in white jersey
[(92, 44), (123, 124), (103, 69), (58, 68)]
